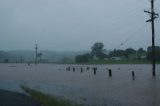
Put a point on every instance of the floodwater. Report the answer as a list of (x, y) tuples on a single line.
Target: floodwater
[(86, 87)]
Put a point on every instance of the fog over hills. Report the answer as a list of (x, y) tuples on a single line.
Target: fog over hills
[(47, 56)]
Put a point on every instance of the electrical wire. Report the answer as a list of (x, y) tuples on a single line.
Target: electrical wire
[(116, 20), (131, 36)]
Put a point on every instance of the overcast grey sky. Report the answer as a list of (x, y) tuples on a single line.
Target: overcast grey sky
[(74, 25)]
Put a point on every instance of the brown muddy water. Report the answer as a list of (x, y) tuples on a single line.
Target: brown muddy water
[(85, 87)]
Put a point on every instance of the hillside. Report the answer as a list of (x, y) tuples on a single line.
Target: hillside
[(47, 56)]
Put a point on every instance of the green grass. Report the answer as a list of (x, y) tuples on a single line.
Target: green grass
[(47, 100), (119, 62)]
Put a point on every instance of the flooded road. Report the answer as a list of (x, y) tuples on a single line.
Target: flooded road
[(82, 84)]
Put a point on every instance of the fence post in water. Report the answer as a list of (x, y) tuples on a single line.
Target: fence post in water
[(133, 75), (73, 69), (94, 69), (69, 68), (81, 70), (110, 73), (87, 68)]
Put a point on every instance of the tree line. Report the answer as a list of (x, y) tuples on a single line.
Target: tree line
[(99, 53)]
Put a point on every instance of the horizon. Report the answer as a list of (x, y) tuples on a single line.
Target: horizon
[(33, 50)]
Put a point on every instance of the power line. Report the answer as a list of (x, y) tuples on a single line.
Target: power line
[(131, 36), (115, 20)]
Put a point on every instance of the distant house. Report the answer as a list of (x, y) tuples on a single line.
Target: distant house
[(143, 57), (116, 58), (95, 58)]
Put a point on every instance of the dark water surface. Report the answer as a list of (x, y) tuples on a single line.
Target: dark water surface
[(85, 87)]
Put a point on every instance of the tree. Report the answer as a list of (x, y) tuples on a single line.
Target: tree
[(117, 53), (129, 51), (140, 53), (141, 50), (98, 51), (82, 58), (157, 53)]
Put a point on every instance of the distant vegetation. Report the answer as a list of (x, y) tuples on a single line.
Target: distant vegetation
[(99, 55), (43, 56), (97, 51), (96, 55)]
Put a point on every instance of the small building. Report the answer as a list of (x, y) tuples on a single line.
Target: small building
[(116, 58)]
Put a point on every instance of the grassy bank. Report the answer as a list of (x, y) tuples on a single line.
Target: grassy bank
[(47, 100), (119, 62), (115, 62), (126, 61)]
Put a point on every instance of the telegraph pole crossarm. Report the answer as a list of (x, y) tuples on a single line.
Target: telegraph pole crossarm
[(149, 12), (155, 15)]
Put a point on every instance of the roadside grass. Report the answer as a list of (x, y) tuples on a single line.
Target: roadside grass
[(47, 100), (119, 62), (125, 61), (93, 62)]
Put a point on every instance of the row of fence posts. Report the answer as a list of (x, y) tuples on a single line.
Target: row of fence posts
[(95, 71)]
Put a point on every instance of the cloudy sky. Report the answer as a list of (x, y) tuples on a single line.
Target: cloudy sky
[(74, 25)]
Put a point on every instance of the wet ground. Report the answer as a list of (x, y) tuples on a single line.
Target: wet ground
[(8, 98), (87, 86)]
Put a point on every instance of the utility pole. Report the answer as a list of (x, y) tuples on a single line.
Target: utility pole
[(36, 48), (153, 16)]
